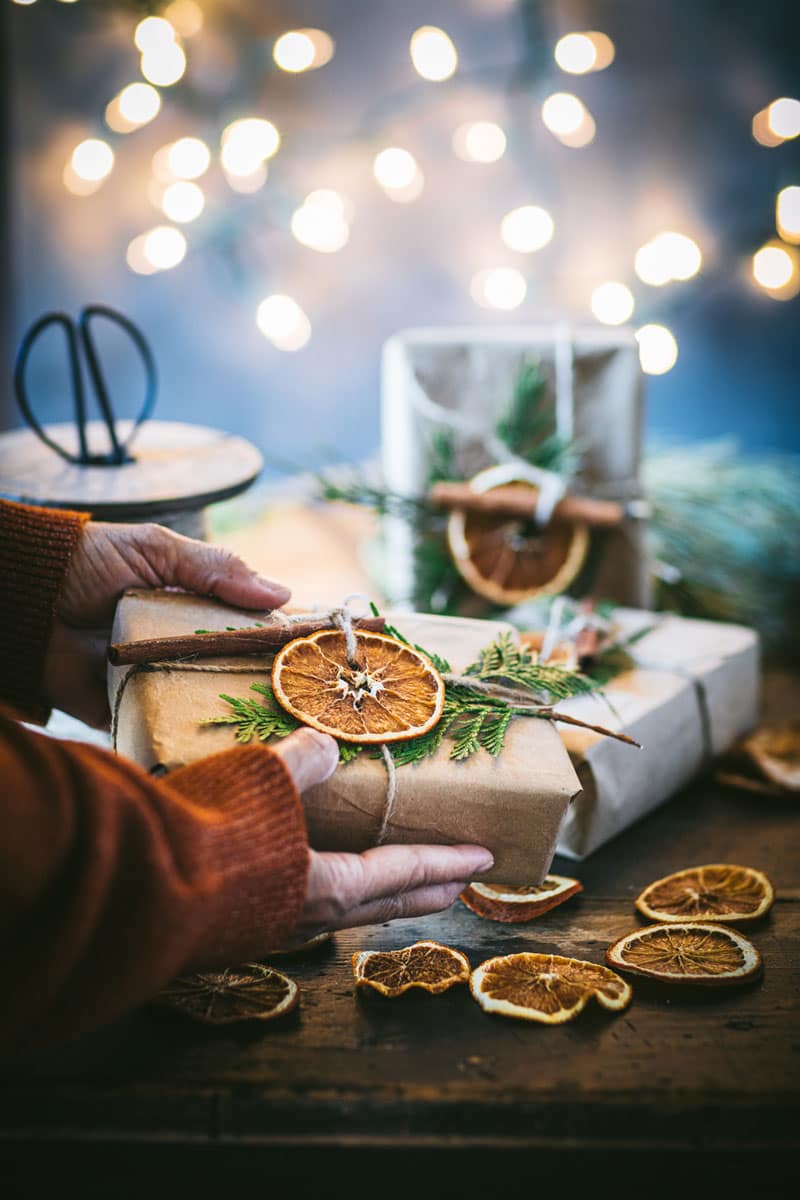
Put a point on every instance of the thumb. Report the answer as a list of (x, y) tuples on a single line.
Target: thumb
[(215, 571), (309, 756)]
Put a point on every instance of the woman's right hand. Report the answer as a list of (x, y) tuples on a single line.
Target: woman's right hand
[(347, 890)]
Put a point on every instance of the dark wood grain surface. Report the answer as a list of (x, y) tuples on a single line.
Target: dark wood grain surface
[(714, 1072)]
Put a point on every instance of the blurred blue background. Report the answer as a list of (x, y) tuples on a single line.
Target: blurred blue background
[(673, 150)]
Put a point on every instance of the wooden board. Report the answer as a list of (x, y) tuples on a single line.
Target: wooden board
[(176, 467)]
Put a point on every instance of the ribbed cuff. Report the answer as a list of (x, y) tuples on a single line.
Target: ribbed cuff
[(258, 850), (36, 545)]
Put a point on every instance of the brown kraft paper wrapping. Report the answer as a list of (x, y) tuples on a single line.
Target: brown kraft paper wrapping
[(692, 693), (515, 804)]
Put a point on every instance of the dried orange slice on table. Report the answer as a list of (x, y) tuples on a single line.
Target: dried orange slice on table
[(251, 992), (498, 902), (507, 559), (717, 892), (775, 750), (706, 954), (547, 988), (390, 692), (427, 965)]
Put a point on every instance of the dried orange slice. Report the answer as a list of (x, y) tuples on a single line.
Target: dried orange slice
[(390, 693), (427, 965), (508, 560), (251, 992), (547, 988), (707, 954), (775, 750), (718, 892), (307, 947), (499, 902)]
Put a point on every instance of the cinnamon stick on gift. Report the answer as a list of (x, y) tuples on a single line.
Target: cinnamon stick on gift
[(519, 500), (226, 642)]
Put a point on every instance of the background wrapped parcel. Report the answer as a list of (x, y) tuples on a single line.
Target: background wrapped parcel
[(460, 382), (515, 804), (694, 689)]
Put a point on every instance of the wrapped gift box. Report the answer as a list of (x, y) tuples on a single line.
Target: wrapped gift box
[(461, 381), (514, 804), (692, 693)]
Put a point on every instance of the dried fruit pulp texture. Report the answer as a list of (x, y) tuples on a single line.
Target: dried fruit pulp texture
[(546, 987), (426, 965), (251, 992), (389, 693), (691, 953), (509, 555), (719, 892)]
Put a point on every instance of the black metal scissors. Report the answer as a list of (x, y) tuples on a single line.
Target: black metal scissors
[(118, 451)]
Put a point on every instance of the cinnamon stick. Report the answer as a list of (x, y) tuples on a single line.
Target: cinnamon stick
[(519, 500), (230, 642)]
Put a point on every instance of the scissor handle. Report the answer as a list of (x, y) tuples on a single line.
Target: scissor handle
[(26, 345), (119, 450)]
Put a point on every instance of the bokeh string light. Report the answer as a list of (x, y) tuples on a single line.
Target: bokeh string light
[(322, 221)]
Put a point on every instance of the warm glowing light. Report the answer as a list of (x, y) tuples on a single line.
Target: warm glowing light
[(163, 65), (668, 256), (247, 143), (152, 33), (527, 229), (787, 214), (159, 249), (773, 267), (658, 350), (135, 105), (23, 2), (575, 53), (783, 118), (79, 187), (563, 113), (188, 158), (395, 169), (433, 54), (328, 198), (92, 160), (183, 201), (761, 130), (501, 287), (579, 53), (612, 303), (283, 322), (185, 16), (320, 224), (303, 50), (479, 141), (247, 184)]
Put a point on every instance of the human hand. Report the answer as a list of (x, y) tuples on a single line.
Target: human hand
[(346, 890), (109, 559)]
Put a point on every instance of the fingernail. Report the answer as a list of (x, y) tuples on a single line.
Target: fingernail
[(484, 862)]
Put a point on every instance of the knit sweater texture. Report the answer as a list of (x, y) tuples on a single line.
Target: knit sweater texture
[(113, 882)]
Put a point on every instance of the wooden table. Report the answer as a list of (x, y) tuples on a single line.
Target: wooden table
[(423, 1076)]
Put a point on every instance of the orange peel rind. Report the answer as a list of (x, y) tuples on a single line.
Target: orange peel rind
[(497, 902), (547, 988), (427, 965), (692, 953), (718, 892)]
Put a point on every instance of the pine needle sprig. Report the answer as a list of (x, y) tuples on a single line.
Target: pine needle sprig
[(507, 662), (255, 719)]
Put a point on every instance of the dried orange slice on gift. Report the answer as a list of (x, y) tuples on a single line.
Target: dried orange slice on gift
[(251, 992), (390, 692), (498, 902), (547, 988), (711, 955), (427, 965), (508, 559), (718, 892)]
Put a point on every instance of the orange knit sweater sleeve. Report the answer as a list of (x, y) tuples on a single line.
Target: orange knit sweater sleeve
[(111, 881)]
